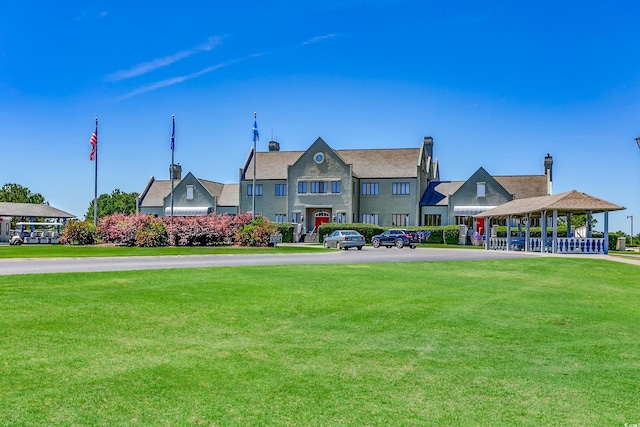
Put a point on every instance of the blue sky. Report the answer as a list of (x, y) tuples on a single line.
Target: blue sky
[(497, 84)]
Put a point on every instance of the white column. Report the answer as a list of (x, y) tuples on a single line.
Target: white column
[(554, 236)]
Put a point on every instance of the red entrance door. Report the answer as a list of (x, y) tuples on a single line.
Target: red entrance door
[(321, 220), (480, 226)]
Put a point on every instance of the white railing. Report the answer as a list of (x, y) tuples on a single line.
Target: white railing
[(580, 245), (565, 245)]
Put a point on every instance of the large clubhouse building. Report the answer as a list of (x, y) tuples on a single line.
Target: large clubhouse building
[(387, 187)]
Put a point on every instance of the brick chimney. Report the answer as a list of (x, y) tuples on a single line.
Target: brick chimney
[(175, 171)]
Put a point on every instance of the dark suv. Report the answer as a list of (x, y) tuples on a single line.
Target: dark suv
[(398, 237)]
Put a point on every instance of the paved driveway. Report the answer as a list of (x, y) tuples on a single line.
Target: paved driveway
[(331, 256)]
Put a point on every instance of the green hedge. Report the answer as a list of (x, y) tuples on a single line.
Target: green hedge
[(286, 229)]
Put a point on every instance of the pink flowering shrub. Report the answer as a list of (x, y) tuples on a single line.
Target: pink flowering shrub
[(256, 232), (153, 233), (207, 230), (146, 230), (78, 233), (132, 230)]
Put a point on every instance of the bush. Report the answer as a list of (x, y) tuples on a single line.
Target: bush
[(286, 230), (256, 233), (79, 233), (205, 230), (121, 229), (153, 233)]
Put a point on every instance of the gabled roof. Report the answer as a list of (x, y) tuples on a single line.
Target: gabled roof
[(272, 164), (377, 163), (158, 189), (524, 186), (214, 188), (32, 210), (568, 202), (383, 163), (230, 195)]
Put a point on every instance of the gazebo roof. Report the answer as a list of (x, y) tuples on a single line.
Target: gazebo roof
[(569, 202), (32, 210)]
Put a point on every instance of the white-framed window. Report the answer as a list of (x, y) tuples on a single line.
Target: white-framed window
[(463, 220), (189, 192), (481, 189), (258, 190), (400, 188), (341, 217), (400, 220), (302, 187), (335, 187), (318, 187), (369, 188), (281, 217), (433, 219), (296, 217), (281, 189), (370, 219)]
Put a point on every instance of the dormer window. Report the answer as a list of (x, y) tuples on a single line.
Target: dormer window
[(481, 189), (189, 192)]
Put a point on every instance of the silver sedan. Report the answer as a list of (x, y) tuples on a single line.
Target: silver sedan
[(344, 239)]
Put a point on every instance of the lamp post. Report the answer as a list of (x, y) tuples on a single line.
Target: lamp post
[(631, 218)]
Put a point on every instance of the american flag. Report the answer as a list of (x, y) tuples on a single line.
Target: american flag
[(94, 144)]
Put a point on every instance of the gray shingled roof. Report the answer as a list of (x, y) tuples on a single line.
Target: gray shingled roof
[(160, 189), (230, 195), (524, 186), (32, 210), (383, 163), (157, 192), (568, 202), (214, 188), (273, 164), (380, 163)]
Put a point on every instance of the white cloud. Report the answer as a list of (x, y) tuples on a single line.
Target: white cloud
[(147, 67), (317, 39), (179, 79)]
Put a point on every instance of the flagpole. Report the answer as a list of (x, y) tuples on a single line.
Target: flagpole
[(255, 160), (172, 169), (95, 188)]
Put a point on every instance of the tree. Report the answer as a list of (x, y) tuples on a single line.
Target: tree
[(116, 202), (16, 193), (577, 221)]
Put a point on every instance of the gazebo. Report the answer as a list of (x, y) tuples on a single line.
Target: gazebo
[(544, 207)]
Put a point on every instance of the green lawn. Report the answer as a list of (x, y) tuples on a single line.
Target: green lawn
[(65, 251), (523, 342)]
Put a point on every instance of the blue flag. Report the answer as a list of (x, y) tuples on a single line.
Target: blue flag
[(256, 135), (173, 135)]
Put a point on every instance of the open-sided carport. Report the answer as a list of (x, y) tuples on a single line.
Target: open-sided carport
[(563, 204), (28, 211)]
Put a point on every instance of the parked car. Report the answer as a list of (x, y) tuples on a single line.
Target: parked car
[(398, 237), (344, 239)]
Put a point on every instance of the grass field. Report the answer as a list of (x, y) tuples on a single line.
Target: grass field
[(71, 251), (526, 342)]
